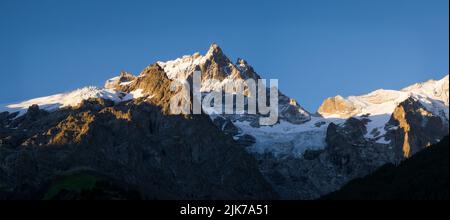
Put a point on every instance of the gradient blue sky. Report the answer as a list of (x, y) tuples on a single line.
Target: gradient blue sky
[(316, 48)]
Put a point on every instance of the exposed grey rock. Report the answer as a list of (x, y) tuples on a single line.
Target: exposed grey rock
[(165, 156), (416, 128), (347, 156), (120, 82), (245, 140), (193, 157), (225, 125)]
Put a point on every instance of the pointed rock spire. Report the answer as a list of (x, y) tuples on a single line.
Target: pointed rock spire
[(215, 53), (241, 62), (214, 49)]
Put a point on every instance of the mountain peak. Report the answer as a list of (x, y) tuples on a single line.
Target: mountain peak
[(215, 51), (241, 62), (214, 46)]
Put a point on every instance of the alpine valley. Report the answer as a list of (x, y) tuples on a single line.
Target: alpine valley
[(121, 142)]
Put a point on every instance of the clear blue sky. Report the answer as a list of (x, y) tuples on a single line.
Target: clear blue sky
[(316, 48)]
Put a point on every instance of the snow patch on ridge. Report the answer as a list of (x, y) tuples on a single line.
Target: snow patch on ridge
[(382, 101), (284, 138), (181, 68), (73, 98), (378, 105)]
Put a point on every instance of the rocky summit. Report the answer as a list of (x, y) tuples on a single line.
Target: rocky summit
[(121, 141)]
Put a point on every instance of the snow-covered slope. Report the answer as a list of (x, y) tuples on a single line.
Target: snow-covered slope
[(181, 68), (214, 65), (296, 131), (303, 155), (217, 70), (383, 101), (375, 108), (287, 139), (73, 98), (437, 90), (378, 106)]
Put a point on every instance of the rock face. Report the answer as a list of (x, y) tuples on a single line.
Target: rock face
[(433, 92), (362, 134), (215, 65), (347, 155), (117, 82), (424, 176), (359, 144), (407, 119), (136, 142), (337, 106), (417, 127), (125, 132)]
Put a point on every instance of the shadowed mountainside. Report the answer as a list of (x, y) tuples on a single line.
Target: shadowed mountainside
[(423, 176), (135, 143)]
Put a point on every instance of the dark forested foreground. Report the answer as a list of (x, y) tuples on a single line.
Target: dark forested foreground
[(424, 176)]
